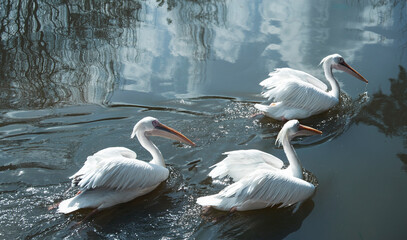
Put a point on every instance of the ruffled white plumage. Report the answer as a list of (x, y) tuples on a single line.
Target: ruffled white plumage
[(259, 178), (118, 172), (239, 163), (289, 73), (260, 189), (294, 94), (112, 176)]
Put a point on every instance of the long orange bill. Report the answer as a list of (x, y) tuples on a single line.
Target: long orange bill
[(164, 131), (309, 129), (353, 72)]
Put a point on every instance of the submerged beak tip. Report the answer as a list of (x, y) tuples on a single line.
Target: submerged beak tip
[(190, 143), (363, 79)]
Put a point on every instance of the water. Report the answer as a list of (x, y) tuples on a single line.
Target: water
[(76, 77)]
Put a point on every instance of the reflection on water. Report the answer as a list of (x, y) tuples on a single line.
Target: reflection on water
[(301, 27), (403, 159), (379, 112), (192, 26), (179, 35), (61, 53), (267, 223), (76, 76), (104, 52), (69, 53)]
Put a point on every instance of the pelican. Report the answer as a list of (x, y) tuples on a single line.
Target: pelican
[(296, 95), (114, 175), (260, 181)]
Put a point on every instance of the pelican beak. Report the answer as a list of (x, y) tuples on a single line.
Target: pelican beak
[(161, 130), (346, 68), (307, 131)]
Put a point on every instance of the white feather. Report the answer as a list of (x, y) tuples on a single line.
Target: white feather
[(289, 73), (115, 171), (259, 178), (100, 198), (114, 175), (294, 94), (239, 163), (259, 190)]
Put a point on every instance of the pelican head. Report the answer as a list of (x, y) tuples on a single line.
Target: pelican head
[(292, 129), (336, 61), (150, 126)]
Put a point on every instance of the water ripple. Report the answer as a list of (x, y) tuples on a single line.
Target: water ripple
[(332, 123)]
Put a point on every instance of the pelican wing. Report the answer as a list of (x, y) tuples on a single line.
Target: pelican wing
[(116, 151), (240, 163), (289, 73), (118, 172), (296, 89), (295, 94), (271, 188), (259, 190)]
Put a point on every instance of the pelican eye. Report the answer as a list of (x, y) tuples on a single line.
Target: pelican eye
[(296, 127), (155, 123)]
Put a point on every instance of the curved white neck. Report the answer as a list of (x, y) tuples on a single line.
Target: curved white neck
[(295, 165), (158, 158), (330, 77)]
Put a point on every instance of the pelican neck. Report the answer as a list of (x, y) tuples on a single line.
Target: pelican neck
[(331, 79), (158, 158), (295, 165)]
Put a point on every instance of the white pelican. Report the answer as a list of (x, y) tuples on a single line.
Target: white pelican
[(114, 175), (296, 95), (259, 178)]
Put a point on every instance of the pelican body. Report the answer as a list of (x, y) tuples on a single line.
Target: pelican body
[(114, 175), (296, 95), (260, 180)]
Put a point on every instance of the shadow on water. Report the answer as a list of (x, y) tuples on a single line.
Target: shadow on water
[(388, 113), (270, 223), (168, 210)]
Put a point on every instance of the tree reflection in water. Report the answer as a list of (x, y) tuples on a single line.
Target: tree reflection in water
[(389, 112), (73, 52), (53, 54)]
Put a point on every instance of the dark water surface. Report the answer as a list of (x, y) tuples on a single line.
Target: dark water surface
[(75, 77)]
